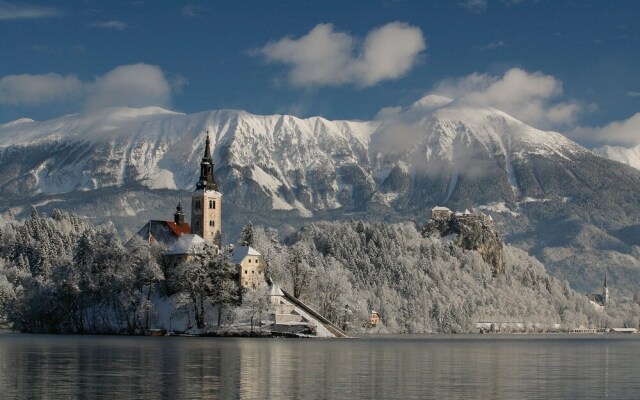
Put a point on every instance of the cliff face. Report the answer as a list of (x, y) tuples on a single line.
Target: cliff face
[(471, 233)]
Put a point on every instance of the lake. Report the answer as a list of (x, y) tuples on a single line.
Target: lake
[(395, 367)]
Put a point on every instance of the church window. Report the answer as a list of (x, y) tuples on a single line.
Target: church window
[(249, 260), (197, 205), (245, 271), (212, 204), (211, 223)]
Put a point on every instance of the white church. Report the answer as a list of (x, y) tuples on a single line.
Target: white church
[(185, 240)]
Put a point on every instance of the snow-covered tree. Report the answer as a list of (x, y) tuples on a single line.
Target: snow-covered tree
[(246, 237), (255, 304)]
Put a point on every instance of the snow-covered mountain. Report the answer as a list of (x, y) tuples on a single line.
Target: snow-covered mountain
[(625, 155), (563, 203), (432, 152)]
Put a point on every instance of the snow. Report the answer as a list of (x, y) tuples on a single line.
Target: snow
[(432, 101), (161, 149), (240, 252), (45, 202), (452, 185), (164, 180), (187, 244), (17, 122), (385, 198), (275, 290), (629, 156), (534, 200), (499, 207)]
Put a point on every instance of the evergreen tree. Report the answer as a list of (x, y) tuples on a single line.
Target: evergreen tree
[(246, 237)]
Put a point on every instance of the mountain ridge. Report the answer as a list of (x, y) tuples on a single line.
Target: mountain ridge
[(437, 151)]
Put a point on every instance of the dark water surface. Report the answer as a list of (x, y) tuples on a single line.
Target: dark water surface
[(405, 367)]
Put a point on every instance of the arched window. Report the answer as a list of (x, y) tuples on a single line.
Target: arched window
[(212, 204)]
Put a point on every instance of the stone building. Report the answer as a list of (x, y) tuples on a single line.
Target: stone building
[(374, 318), (251, 266), (438, 212)]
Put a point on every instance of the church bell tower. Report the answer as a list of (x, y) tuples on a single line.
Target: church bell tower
[(206, 201)]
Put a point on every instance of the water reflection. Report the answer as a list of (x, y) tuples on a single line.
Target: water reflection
[(55, 367)]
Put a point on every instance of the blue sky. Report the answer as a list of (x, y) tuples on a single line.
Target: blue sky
[(573, 66)]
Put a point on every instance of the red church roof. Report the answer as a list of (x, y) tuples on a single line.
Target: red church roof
[(179, 230), (166, 232)]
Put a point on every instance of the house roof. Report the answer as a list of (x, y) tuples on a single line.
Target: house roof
[(187, 244), (440, 208), (275, 290), (239, 253), (166, 232), (179, 230)]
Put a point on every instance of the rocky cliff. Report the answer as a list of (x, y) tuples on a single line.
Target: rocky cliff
[(471, 232)]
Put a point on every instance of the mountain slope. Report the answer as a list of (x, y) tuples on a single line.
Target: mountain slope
[(558, 200), (629, 156)]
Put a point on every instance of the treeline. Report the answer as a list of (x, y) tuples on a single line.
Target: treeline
[(62, 274), (424, 284)]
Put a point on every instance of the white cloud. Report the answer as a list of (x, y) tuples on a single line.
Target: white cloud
[(136, 85), (625, 132), (492, 45), (28, 89), (326, 57), (26, 11), (530, 97), (475, 6), (192, 10), (113, 24), (632, 93)]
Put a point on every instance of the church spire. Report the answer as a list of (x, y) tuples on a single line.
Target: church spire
[(178, 216), (207, 149), (207, 181)]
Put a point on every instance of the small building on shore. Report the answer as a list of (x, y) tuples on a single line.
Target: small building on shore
[(374, 318), (251, 266)]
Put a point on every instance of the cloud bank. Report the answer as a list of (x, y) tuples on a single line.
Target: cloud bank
[(10, 11), (136, 85), (624, 133), (475, 6), (326, 57), (530, 97), (28, 89), (113, 24)]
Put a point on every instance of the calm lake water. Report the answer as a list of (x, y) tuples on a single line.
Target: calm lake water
[(406, 367)]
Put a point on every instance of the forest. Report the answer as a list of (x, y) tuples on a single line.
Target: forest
[(61, 274)]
